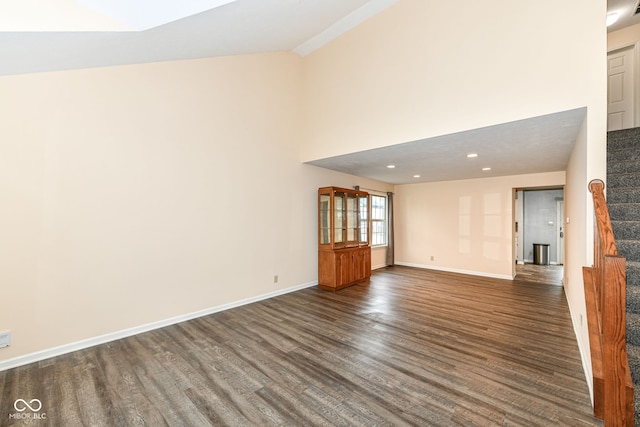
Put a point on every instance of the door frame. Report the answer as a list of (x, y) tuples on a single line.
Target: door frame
[(560, 230), (636, 76), (517, 216)]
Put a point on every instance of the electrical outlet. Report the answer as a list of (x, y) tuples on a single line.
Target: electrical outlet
[(432, 258), (5, 339), (275, 279)]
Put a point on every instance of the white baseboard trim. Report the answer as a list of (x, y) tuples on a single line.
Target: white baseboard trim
[(585, 356), (455, 270), (376, 267), (102, 339)]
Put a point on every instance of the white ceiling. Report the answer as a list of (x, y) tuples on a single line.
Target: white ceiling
[(74, 34), (232, 28), (626, 9), (539, 144)]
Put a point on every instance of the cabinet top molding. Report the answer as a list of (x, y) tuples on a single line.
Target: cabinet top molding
[(343, 190)]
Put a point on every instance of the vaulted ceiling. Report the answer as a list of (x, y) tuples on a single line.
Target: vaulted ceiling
[(51, 35), (68, 34)]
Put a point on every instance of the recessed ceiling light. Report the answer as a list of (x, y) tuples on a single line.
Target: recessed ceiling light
[(391, 166), (612, 18), (471, 155), (486, 169), (416, 176)]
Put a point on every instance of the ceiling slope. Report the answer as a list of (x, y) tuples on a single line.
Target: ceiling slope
[(233, 28)]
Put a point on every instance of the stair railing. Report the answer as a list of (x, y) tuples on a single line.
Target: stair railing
[(605, 296)]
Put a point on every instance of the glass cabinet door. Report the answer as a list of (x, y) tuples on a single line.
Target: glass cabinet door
[(325, 227), (343, 218), (363, 220), (339, 219), (352, 219)]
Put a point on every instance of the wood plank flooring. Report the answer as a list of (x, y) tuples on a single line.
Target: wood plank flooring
[(548, 274), (412, 347)]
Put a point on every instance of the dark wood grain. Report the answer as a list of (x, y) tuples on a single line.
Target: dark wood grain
[(412, 347)]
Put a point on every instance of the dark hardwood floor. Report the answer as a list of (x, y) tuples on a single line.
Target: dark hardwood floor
[(547, 274), (412, 347)]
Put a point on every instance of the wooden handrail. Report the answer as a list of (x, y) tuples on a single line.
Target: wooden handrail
[(605, 296), (603, 221)]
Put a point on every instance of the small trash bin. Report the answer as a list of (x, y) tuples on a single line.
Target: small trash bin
[(541, 253)]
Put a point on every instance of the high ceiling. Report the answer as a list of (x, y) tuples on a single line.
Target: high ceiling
[(74, 34), (234, 27)]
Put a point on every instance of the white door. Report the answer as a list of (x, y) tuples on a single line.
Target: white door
[(620, 73)]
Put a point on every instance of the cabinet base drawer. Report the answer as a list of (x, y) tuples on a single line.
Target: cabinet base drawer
[(340, 268)]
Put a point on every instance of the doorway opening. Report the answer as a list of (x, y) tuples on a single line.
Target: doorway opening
[(539, 248)]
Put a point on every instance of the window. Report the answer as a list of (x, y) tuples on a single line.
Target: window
[(378, 220)]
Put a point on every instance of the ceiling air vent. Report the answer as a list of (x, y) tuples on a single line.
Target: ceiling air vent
[(637, 8)]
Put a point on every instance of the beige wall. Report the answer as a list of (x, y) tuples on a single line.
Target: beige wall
[(414, 72), (624, 37), (137, 194), (579, 242), (145, 192), (378, 257), (466, 226)]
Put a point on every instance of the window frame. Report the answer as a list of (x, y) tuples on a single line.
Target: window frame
[(384, 222)]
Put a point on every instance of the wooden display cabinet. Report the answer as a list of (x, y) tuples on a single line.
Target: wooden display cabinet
[(344, 254)]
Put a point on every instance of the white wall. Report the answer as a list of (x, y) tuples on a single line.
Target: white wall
[(142, 193), (540, 216)]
